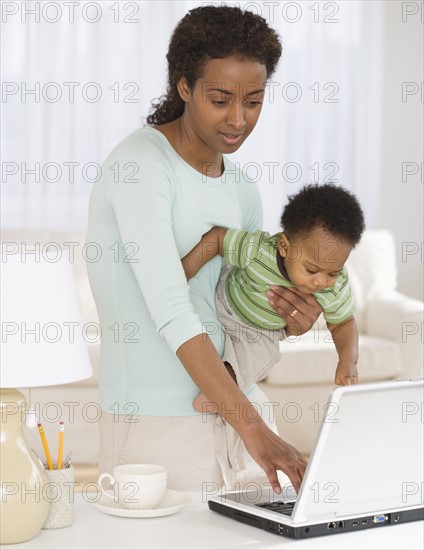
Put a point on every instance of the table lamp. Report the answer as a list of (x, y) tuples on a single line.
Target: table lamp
[(39, 304)]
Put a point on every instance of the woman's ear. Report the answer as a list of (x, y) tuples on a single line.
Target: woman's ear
[(184, 89), (283, 245)]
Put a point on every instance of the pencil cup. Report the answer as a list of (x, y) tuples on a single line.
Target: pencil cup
[(59, 492)]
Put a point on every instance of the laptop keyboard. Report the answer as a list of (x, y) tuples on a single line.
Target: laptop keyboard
[(278, 506)]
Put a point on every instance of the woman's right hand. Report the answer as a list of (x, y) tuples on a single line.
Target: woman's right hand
[(204, 365), (272, 454)]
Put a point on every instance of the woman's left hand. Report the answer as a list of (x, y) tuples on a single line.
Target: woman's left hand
[(299, 310)]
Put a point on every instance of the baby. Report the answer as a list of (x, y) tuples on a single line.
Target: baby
[(321, 225)]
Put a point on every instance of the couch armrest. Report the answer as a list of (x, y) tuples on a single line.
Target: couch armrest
[(399, 318)]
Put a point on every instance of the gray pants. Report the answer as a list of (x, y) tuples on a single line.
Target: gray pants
[(250, 351)]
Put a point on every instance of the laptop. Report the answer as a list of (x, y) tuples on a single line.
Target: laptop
[(365, 472)]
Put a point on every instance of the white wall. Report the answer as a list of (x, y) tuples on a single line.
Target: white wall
[(401, 207)]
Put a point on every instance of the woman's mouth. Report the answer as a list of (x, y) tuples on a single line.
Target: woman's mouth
[(231, 139)]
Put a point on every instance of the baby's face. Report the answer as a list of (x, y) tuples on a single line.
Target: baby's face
[(314, 261)]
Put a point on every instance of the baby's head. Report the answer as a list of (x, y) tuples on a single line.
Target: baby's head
[(321, 224)]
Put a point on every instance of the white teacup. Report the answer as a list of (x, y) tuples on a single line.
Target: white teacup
[(136, 486)]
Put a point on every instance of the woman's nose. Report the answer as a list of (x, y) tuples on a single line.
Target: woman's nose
[(235, 117)]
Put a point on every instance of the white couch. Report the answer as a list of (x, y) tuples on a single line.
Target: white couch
[(390, 348)]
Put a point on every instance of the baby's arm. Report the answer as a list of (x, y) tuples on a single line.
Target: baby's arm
[(210, 245), (345, 337)]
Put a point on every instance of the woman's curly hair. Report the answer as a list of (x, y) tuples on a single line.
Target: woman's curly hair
[(327, 206), (206, 33)]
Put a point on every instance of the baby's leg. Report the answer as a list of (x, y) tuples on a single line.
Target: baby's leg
[(202, 403)]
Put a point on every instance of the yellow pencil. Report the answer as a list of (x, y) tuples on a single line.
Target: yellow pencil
[(46, 447), (60, 451)]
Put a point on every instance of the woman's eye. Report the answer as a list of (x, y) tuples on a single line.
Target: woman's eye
[(254, 103), (219, 102), (310, 271)]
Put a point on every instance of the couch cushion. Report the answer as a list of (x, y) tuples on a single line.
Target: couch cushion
[(87, 304), (313, 359), (373, 261)]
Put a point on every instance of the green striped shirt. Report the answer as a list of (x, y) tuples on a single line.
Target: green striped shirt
[(254, 257)]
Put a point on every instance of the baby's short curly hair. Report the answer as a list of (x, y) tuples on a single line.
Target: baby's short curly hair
[(211, 32), (328, 206)]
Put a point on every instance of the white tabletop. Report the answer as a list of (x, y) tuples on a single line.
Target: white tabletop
[(195, 526)]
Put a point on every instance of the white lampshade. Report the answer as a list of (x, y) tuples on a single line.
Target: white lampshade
[(42, 332)]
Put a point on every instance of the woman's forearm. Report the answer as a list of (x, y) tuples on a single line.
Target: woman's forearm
[(205, 367)]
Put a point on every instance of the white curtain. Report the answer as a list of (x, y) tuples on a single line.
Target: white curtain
[(80, 76)]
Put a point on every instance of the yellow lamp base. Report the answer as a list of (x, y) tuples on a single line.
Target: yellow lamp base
[(23, 506)]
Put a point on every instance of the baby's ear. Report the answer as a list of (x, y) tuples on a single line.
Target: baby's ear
[(283, 245)]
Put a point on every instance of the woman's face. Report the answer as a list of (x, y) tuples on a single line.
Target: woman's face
[(225, 103)]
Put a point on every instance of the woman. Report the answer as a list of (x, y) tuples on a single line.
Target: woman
[(161, 342)]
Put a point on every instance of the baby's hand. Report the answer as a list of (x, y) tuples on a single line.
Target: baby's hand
[(346, 374)]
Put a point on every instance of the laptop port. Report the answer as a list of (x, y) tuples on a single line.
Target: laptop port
[(365, 521), (340, 524), (355, 523), (331, 525), (379, 519), (396, 518)]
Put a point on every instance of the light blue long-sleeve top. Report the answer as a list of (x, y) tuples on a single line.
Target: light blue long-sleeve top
[(147, 211)]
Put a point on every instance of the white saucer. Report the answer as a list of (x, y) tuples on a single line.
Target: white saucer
[(172, 502)]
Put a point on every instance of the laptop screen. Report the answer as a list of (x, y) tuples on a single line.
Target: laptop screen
[(368, 454)]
